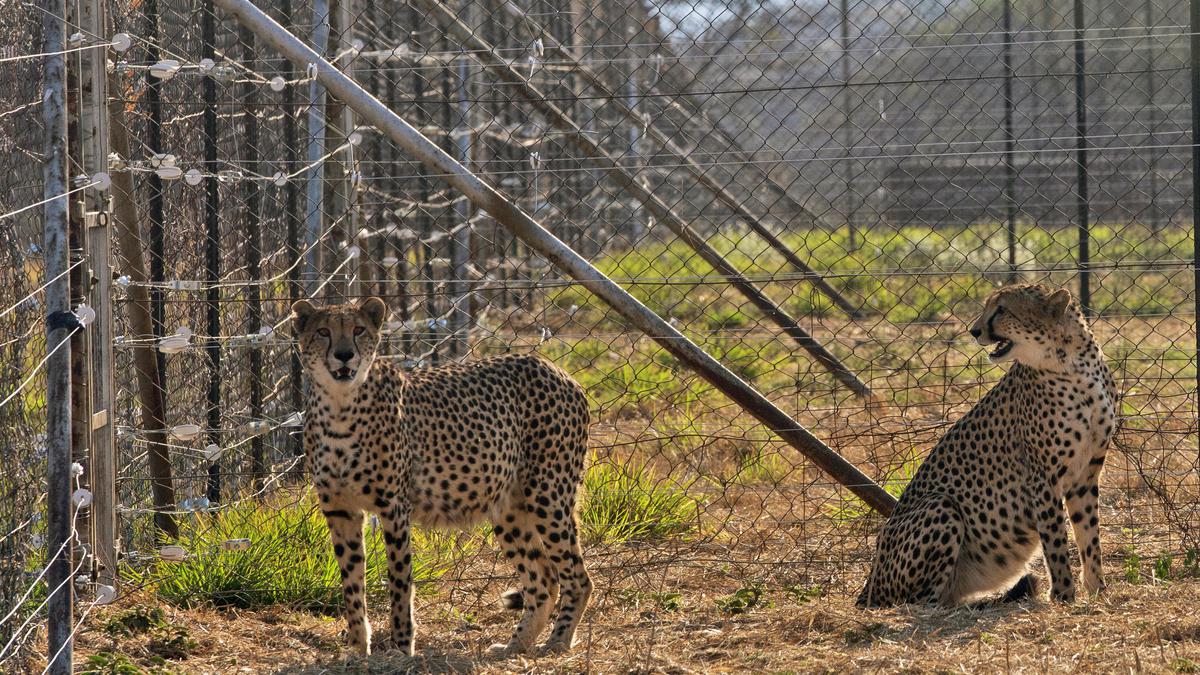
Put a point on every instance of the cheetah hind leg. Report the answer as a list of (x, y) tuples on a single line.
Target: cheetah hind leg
[(522, 545), (918, 556)]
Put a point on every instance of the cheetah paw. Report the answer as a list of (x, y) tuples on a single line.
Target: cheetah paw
[(405, 648), (1065, 597), (553, 647), (501, 651)]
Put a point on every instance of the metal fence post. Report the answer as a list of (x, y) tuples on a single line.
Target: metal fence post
[(253, 243), (295, 221), (94, 140), (1152, 122), (1010, 174), (1081, 159), (1194, 30), (157, 201), (59, 330), (212, 251), (460, 241), (314, 190), (847, 126)]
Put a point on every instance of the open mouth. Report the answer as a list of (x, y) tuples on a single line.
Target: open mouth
[(1002, 347), (343, 374)]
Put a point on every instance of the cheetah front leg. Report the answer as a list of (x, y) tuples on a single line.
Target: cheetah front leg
[(397, 536), (345, 529), (1046, 509), (1083, 503)]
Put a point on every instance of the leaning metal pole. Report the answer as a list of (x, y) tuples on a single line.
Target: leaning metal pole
[(653, 203), (557, 253), (625, 106)]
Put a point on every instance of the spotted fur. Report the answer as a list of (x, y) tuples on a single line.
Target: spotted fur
[(991, 492), (501, 439)]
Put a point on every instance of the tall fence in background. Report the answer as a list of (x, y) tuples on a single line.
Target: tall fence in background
[(818, 194)]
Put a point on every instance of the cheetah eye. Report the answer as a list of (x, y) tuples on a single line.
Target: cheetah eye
[(359, 330), (323, 332)]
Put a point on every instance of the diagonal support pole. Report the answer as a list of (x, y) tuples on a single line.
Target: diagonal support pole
[(557, 253), (487, 54), (683, 157)]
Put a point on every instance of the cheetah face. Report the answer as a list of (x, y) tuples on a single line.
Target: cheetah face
[(1029, 324), (338, 343)]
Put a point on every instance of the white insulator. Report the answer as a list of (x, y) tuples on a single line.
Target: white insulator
[(185, 432), (173, 553), (178, 342), (76, 469), (121, 42), (212, 452), (105, 594), (82, 498), (165, 69), (280, 178), (193, 177), (278, 83), (85, 314), (169, 172), (236, 544), (102, 181)]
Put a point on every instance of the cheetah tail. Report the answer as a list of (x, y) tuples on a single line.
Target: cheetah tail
[(513, 599), (1026, 587)]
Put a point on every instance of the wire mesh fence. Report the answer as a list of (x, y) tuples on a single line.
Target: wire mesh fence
[(817, 194)]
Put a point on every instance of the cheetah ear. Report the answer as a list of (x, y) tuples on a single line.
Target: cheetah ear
[(1058, 302), (375, 310), (302, 311)]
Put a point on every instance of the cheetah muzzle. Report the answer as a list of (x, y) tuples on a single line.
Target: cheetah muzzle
[(990, 496), (501, 440)]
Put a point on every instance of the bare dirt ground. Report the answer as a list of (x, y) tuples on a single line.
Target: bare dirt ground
[(1132, 628)]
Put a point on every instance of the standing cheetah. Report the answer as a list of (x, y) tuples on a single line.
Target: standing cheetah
[(992, 490), (502, 439)]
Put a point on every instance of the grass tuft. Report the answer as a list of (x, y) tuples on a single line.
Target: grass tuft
[(289, 561), (631, 503)]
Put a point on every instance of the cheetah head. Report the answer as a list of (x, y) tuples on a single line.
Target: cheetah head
[(338, 343), (1031, 324)]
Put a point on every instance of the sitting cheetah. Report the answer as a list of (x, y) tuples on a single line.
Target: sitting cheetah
[(993, 487), (502, 439)]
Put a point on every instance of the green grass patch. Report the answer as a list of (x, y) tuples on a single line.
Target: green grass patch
[(669, 278), (631, 503), (289, 560)]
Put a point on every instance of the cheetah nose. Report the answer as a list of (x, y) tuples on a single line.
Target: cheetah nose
[(344, 356), (975, 332)]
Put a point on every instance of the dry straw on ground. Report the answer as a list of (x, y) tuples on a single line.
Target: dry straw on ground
[(1132, 628)]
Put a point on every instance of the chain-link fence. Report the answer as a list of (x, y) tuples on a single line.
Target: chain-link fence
[(817, 194)]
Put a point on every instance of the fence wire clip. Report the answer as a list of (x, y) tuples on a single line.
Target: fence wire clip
[(63, 319)]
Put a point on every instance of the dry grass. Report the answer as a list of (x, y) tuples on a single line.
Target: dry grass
[(1132, 628)]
